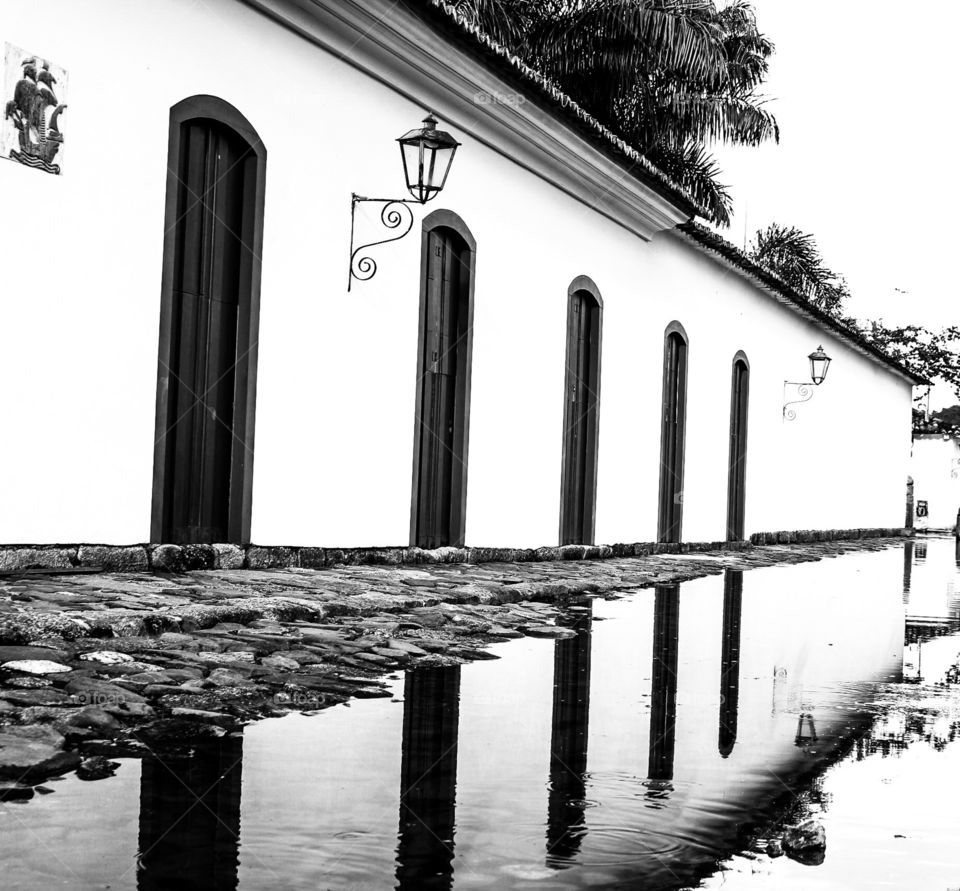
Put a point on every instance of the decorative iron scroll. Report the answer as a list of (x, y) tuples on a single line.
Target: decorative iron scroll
[(392, 216), (804, 394)]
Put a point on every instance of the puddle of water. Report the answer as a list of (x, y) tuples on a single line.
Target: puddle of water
[(651, 747)]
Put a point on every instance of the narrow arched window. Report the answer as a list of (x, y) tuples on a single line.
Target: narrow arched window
[(672, 433), (581, 413), (209, 320), (737, 471), (444, 359)]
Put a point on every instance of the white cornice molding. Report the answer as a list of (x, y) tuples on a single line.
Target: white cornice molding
[(384, 40)]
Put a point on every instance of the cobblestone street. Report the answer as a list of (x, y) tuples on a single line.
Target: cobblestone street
[(116, 662)]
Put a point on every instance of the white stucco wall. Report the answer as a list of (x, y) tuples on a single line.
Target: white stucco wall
[(337, 371), (935, 468)]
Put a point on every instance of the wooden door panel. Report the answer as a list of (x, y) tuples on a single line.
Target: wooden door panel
[(736, 482), (208, 272), (580, 418), (441, 385), (672, 434)]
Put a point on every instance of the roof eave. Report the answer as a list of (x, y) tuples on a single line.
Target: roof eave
[(442, 17), (705, 239)]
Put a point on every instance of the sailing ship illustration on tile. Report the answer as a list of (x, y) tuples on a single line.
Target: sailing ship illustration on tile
[(34, 100)]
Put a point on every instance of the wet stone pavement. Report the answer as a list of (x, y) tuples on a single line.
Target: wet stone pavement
[(94, 665)]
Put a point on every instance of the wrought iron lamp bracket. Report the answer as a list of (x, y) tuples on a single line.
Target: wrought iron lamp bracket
[(804, 394), (363, 267)]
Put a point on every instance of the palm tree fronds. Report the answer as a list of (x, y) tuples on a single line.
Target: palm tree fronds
[(795, 257), (694, 168), (668, 76)]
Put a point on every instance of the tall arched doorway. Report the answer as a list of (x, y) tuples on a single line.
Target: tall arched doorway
[(581, 413), (444, 359), (209, 319), (672, 433), (737, 472)]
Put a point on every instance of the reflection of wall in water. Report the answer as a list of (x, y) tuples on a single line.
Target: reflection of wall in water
[(811, 636), (568, 743), (933, 575), (190, 819), (428, 779)]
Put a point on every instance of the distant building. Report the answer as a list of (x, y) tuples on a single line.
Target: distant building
[(556, 353), (935, 469)]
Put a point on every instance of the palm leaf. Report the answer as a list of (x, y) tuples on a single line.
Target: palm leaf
[(694, 168), (669, 76)]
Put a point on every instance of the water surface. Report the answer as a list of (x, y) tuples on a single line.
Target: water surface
[(676, 728)]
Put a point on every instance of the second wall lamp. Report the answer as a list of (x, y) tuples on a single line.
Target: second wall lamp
[(427, 155), (819, 363)]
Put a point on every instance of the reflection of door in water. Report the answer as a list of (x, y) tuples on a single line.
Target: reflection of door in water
[(442, 398), (211, 270), (663, 689)]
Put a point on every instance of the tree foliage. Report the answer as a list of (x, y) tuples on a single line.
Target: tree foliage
[(795, 257), (948, 416), (933, 354), (669, 76)]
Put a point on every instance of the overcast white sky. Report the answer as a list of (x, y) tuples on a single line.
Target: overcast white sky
[(867, 100)]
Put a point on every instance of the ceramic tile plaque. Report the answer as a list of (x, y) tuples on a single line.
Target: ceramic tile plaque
[(34, 101)]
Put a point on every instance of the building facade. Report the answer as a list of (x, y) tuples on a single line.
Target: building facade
[(935, 470), (555, 353)]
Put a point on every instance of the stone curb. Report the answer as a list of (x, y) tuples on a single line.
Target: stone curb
[(185, 558), (807, 536)]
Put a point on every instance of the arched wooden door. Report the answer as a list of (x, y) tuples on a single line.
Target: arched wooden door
[(443, 383), (206, 381), (673, 434), (737, 473), (581, 413)]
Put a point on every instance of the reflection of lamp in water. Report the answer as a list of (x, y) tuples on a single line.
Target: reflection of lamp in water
[(942, 732), (428, 778), (730, 660), (889, 733), (568, 743), (190, 818), (911, 662), (805, 737), (663, 693)]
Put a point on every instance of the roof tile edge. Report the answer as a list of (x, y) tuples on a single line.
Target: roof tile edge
[(549, 90), (706, 238)]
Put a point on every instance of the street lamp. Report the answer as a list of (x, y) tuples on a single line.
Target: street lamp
[(427, 155), (819, 363)]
